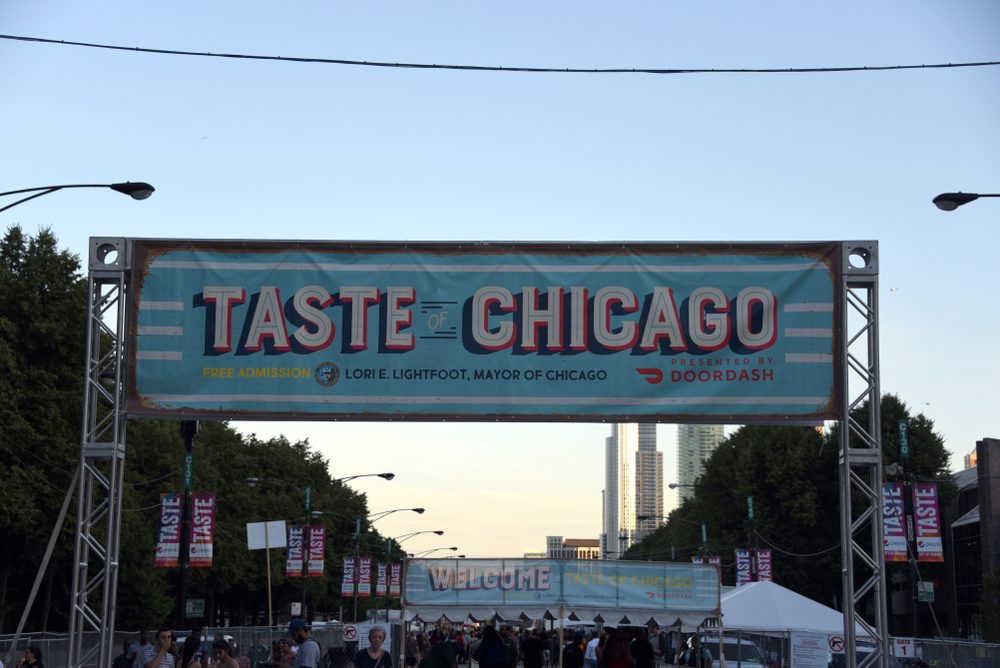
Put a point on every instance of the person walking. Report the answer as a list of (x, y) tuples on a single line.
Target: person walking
[(257, 653), (33, 657), (590, 654), (442, 655), (491, 653), (223, 654), (642, 649), (121, 661), (374, 656), (308, 654), (141, 652), (163, 658), (191, 652), (532, 653)]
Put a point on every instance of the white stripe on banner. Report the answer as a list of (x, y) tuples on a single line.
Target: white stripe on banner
[(823, 358), (165, 331), (819, 333), (496, 268), (161, 306), (533, 401), (163, 355), (808, 308)]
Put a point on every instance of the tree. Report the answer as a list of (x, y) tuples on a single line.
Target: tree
[(793, 475), (989, 607)]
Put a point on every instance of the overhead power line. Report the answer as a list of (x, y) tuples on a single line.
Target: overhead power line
[(490, 68)]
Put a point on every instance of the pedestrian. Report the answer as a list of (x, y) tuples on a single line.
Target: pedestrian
[(491, 653), (510, 644), (532, 652), (287, 659), (374, 656), (642, 649), (33, 657), (141, 652), (681, 654), (163, 658), (442, 655), (191, 652), (223, 654), (412, 649), (663, 650), (257, 652), (572, 653), (121, 661), (697, 655), (590, 654), (618, 654), (308, 654)]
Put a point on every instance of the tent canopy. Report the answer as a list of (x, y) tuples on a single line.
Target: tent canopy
[(765, 607), (614, 592)]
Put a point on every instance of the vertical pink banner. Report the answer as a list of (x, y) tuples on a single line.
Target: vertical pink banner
[(927, 515), (347, 584), (202, 529), (365, 577), (168, 538), (395, 580), (381, 581), (743, 567), (293, 562), (893, 522), (317, 550), (764, 566)]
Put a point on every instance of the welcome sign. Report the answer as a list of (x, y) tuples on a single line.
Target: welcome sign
[(472, 331)]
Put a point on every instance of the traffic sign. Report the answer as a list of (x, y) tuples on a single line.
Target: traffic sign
[(350, 632), (925, 591), (194, 607), (837, 644)]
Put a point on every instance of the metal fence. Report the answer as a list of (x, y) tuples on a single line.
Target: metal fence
[(55, 646)]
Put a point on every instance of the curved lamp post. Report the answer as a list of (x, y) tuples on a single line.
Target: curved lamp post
[(695, 526), (307, 497), (136, 190), (420, 555), (951, 201)]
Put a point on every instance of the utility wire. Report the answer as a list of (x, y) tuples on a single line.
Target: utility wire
[(488, 68), (793, 554)]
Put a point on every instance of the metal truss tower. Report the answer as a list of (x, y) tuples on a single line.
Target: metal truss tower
[(102, 457), (860, 450)]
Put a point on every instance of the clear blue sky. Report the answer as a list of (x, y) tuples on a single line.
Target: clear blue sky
[(251, 149)]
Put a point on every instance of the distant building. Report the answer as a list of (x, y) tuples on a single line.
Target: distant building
[(695, 442), (970, 459), (573, 548), (633, 485), (532, 553)]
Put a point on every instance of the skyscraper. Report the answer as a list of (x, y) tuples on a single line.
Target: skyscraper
[(633, 485), (695, 442)]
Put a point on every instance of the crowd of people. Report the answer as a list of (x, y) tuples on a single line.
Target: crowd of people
[(487, 647)]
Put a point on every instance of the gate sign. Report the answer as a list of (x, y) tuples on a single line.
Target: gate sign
[(473, 331)]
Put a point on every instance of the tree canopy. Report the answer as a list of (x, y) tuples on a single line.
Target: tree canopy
[(43, 304), (792, 473)]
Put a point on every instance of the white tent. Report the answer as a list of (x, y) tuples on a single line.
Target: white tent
[(766, 607)]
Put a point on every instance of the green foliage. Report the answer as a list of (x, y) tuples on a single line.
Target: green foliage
[(793, 475), (43, 304), (989, 607)]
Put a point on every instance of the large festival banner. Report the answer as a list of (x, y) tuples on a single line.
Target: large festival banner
[(395, 579), (765, 570), (168, 538), (893, 522), (574, 583), (347, 584), (202, 529), (927, 515), (365, 576), (293, 561), (743, 574), (475, 331), (381, 581), (317, 549)]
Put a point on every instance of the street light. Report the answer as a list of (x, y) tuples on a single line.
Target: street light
[(136, 190), (357, 538), (951, 201), (420, 555), (307, 498)]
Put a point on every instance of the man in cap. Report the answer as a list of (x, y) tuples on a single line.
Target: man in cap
[(572, 654), (308, 654)]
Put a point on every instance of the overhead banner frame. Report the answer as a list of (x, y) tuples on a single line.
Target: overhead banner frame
[(469, 331)]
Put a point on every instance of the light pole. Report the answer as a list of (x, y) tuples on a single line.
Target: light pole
[(388, 553), (136, 190), (374, 517), (421, 555), (696, 525), (307, 499), (751, 537), (951, 201)]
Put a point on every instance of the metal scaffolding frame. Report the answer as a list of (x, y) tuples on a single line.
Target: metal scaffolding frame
[(102, 452), (102, 456), (860, 450)]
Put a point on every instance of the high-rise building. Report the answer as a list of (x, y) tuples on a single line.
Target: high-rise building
[(633, 485), (695, 442)]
